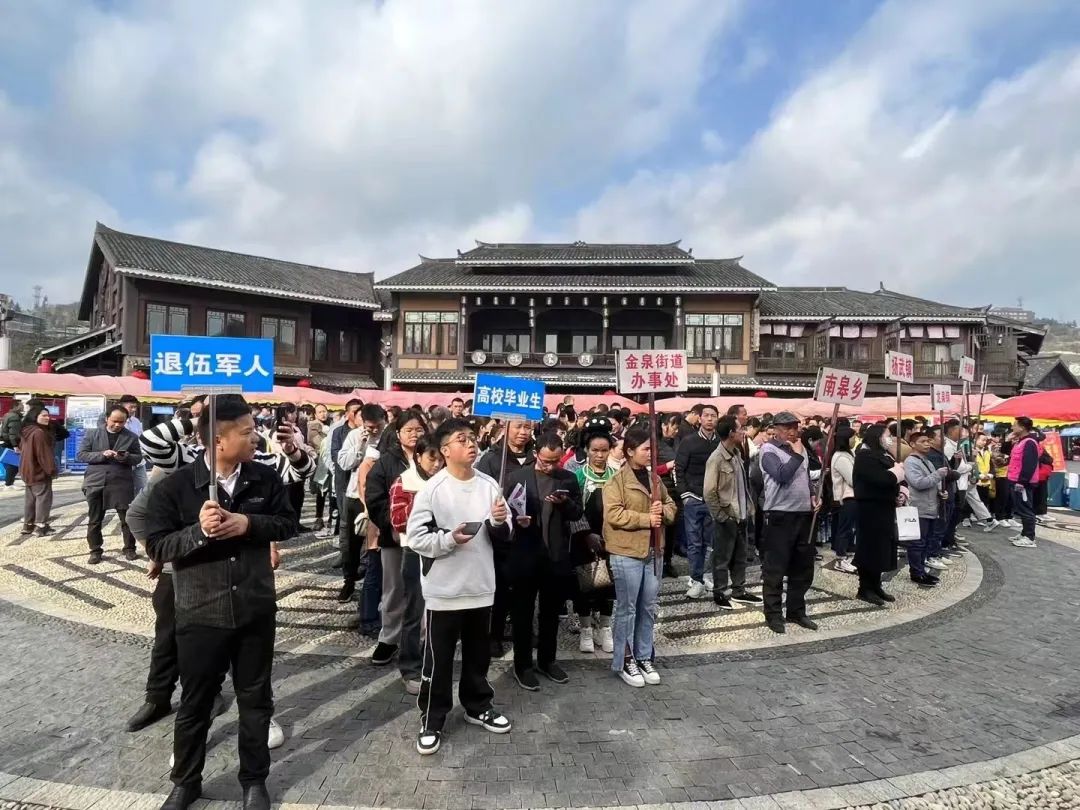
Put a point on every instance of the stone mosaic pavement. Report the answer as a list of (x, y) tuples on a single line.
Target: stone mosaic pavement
[(878, 714)]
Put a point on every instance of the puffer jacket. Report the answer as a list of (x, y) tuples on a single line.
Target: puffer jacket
[(626, 514)]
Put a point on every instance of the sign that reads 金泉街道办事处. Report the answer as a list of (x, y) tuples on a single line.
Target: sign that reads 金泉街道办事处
[(967, 369), (501, 397), (179, 362), (840, 387), (941, 396), (651, 371), (899, 367)]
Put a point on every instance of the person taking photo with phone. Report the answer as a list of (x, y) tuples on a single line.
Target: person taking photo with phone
[(110, 454)]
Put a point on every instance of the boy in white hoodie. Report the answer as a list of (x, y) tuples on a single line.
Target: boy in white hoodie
[(458, 579)]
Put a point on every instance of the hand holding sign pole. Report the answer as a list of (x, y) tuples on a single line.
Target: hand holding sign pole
[(652, 372), (899, 367), (839, 387), (507, 398)]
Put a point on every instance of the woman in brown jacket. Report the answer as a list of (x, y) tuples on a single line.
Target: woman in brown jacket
[(630, 515), (37, 468)]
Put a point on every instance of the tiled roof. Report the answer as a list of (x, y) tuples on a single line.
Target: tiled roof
[(573, 253), (343, 381), (697, 382), (145, 257), (1040, 366), (99, 336), (840, 303), (698, 276)]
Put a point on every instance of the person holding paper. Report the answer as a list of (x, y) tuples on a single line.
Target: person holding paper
[(548, 500)]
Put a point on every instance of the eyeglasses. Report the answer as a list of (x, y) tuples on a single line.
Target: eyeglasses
[(545, 462), (462, 440)]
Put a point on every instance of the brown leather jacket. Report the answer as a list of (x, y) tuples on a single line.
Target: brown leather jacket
[(626, 514)]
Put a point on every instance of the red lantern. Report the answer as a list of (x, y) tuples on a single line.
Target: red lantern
[(304, 383), (395, 387), (45, 366), (760, 394), (139, 374)]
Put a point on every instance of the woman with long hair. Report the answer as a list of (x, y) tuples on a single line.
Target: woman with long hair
[(877, 477), (37, 467), (587, 543), (630, 516)]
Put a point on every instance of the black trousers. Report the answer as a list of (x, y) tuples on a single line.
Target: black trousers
[(544, 583), (206, 654), (352, 544), (320, 504), (444, 629), (870, 581), (296, 498), (729, 556), (788, 552), (1003, 509), (95, 504), (503, 603), (164, 663), (11, 472)]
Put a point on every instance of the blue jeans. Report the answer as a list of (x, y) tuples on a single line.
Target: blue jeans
[(917, 550), (371, 594), (843, 538), (636, 592), (939, 534), (699, 534)]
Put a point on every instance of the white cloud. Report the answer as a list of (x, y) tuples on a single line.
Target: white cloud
[(875, 169)]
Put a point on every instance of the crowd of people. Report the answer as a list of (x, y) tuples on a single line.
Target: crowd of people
[(457, 531)]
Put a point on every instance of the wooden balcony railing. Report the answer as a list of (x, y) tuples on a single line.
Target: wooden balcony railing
[(535, 360)]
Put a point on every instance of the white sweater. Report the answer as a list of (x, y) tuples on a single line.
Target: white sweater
[(454, 577)]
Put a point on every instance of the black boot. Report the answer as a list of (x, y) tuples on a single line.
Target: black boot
[(256, 797), (867, 595), (880, 591), (148, 714), (182, 797)]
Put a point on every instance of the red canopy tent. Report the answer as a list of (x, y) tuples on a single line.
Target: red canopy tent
[(1045, 406), (586, 402)]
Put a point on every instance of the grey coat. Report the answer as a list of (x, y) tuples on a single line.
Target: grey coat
[(924, 484), (114, 477)]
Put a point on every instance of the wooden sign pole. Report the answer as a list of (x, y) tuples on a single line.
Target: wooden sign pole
[(657, 532)]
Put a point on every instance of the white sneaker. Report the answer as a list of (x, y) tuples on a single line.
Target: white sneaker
[(607, 643), (631, 675), (585, 641), (708, 580), (648, 671), (1016, 536), (1024, 542), (277, 735), (1040, 519), (967, 523), (845, 566), (697, 590), (1013, 523), (989, 527), (936, 563), (959, 538)]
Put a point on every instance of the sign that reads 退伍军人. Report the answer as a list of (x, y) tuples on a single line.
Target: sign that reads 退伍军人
[(186, 362)]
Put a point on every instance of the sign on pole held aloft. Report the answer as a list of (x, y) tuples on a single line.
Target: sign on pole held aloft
[(651, 371), (500, 397), (967, 369), (840, 387), (899, 367), (179, 362), (942, 396)]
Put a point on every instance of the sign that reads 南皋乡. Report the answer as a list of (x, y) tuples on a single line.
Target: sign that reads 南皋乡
[(179, 362), (840, 387), (500, 397), (651, 371)]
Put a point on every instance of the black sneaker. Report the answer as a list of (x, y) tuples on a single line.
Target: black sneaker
[(746, 598), (527, 680), (776, 626), (319, 525), (346, 592), (428, 742), (148, 714), (496, 649), (870, 596), (723, 602), (924, 580), (131, 554), (384, 654), (27, 530), (553, 672), (94, 558), (45, 531), (670, 572), (491, 720)]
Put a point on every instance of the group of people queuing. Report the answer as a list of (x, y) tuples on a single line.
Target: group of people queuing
[(455, 531)]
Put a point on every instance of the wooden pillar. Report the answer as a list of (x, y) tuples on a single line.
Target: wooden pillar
[(463, 332)]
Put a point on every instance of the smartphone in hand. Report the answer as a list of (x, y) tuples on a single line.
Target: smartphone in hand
[(471, 529)]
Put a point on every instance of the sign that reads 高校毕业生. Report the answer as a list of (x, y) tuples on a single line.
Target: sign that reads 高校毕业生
[(185, 362), (499, 397)]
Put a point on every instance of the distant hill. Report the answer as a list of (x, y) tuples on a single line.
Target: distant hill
[(53, 324), (1060, 336)]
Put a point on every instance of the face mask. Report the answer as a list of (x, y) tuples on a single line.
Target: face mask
[(889, 441)]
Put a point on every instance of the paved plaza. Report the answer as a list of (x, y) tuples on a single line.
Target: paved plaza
[(964, 695)]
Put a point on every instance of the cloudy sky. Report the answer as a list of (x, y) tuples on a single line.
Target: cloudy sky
[(932, 145)]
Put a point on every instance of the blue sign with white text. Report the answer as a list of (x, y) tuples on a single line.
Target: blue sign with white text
[(178, 361), (508, 397)]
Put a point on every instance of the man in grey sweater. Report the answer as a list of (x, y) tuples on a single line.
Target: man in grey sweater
[(789, 505)]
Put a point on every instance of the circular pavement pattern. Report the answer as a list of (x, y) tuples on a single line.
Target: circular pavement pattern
[(977, 690)]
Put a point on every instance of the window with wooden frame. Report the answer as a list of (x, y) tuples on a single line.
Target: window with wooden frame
[(282, 331), (219, 322), (166, 319), (430, 333), (709, 336)]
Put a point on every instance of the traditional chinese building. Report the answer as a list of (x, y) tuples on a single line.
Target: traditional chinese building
[(320, 319)]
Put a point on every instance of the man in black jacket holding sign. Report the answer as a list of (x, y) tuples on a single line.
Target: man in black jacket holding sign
[(225, 597)]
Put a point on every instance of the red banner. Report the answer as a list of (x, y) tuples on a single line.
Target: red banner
[(1052, 445)]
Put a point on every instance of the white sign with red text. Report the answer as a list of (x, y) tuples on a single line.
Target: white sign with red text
[(899, 367), (840, 387), (651, 371), (967, 369), (942, 397)]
